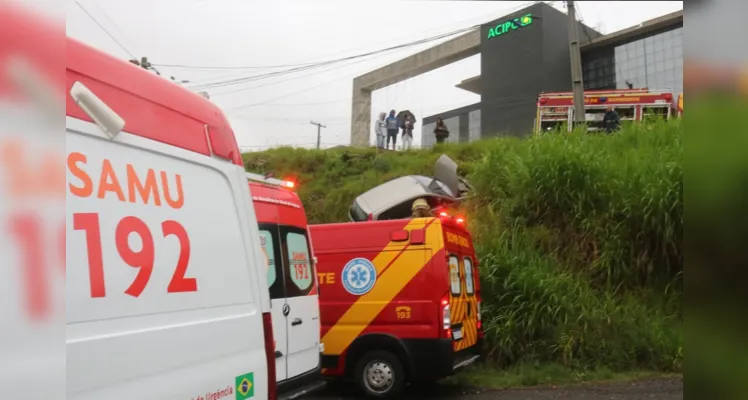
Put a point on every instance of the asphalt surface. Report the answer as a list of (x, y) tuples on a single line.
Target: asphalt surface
[(660, 389)]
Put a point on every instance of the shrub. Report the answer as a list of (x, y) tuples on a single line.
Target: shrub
[(579, 236)]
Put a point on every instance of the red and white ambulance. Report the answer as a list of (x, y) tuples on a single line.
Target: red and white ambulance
[(166, 292), (291, 278)]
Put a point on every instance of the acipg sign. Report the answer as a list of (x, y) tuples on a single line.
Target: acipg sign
[(502, 28)]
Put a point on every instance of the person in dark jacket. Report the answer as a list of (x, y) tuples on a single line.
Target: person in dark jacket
[(392, 128), (440, 130), (611, 120)]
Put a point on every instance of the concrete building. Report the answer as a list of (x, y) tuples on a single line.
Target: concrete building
[(526, 53)]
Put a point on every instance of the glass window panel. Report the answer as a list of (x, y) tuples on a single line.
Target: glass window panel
[(454, 275), (266, 245), (299, 261), (469, 280)]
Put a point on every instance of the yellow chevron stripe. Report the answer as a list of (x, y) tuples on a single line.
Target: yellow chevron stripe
[(388, 285)]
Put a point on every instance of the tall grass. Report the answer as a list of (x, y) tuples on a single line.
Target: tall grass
[(579, 237)]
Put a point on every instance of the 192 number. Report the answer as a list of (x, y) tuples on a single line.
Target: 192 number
[(302, 272), (142, 259)]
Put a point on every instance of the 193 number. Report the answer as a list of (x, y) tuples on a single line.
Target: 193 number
[(143, 259)]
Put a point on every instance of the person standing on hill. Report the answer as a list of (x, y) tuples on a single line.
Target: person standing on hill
[(392, 129), (611, 120), (380, 128), (407, 133), (440, 130)]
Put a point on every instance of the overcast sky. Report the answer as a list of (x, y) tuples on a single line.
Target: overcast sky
[(253, 34)]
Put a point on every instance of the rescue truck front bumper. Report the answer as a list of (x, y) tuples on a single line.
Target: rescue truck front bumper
[(435, 358)]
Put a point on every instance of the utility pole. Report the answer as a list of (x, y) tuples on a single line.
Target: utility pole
[(577, 84), (319, 131)]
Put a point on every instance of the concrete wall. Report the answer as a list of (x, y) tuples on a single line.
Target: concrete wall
[(512, 74), (522, 63), (474, 131), (454, 124), (428, 139)]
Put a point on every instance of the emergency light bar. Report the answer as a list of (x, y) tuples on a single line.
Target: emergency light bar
[(270, 181)]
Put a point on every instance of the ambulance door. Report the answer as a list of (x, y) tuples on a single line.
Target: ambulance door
[(456, 303), (270, 241), (303, 324), (470, 325), (463, 301)]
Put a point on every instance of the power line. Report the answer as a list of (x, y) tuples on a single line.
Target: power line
[(290, 79), (306, 90), (111, 21), (239, 80), (482, 21), (105, 30), (335, 61)]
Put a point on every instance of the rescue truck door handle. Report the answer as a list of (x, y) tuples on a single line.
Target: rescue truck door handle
[(468, 309), (296, 321), (278, 354)]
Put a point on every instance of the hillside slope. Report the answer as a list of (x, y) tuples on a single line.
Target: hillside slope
[(579, 237)]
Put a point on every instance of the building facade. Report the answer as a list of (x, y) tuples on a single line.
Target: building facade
[(527, 53)]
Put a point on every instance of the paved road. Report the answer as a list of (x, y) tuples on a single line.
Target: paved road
[(660, 389)]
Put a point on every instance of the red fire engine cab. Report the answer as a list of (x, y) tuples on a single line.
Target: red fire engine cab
[(556, 110)]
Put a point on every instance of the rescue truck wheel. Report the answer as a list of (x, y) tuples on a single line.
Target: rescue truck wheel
[(380, 374)]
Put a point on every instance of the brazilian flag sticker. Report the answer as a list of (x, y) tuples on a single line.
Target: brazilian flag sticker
[(245, 386)]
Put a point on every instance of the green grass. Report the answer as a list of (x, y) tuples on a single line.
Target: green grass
[(552, 374), (579, 238)]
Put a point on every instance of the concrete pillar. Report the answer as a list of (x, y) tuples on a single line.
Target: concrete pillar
[(428, 60), (360, 116)]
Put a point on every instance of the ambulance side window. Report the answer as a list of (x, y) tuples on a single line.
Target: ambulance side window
[(270, 250), (454, 275), (469, 282), (297, 258)]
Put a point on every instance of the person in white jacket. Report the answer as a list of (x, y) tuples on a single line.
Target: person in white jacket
[(380, 128), (407, 133)]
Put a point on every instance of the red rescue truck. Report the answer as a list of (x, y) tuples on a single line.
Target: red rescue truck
[(556, 110), (399, 296)]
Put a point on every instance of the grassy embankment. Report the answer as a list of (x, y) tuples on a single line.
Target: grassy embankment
[(579, 238)]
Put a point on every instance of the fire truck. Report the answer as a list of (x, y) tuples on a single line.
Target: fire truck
[(556, 110), (680, 105)]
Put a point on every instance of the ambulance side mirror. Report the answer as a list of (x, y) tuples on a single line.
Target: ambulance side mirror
[(108, 120)]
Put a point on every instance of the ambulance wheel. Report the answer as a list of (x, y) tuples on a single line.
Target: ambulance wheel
[(380, 374)]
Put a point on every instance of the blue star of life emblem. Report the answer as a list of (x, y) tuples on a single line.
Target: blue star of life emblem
[(359, 276)]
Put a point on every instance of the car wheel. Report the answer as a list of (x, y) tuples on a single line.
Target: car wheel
[(380, 374)]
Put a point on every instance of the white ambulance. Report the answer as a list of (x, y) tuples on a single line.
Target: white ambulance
[(166, 287)]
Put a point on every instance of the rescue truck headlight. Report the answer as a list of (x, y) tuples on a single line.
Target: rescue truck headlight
[(443, 214), (460, 220)]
